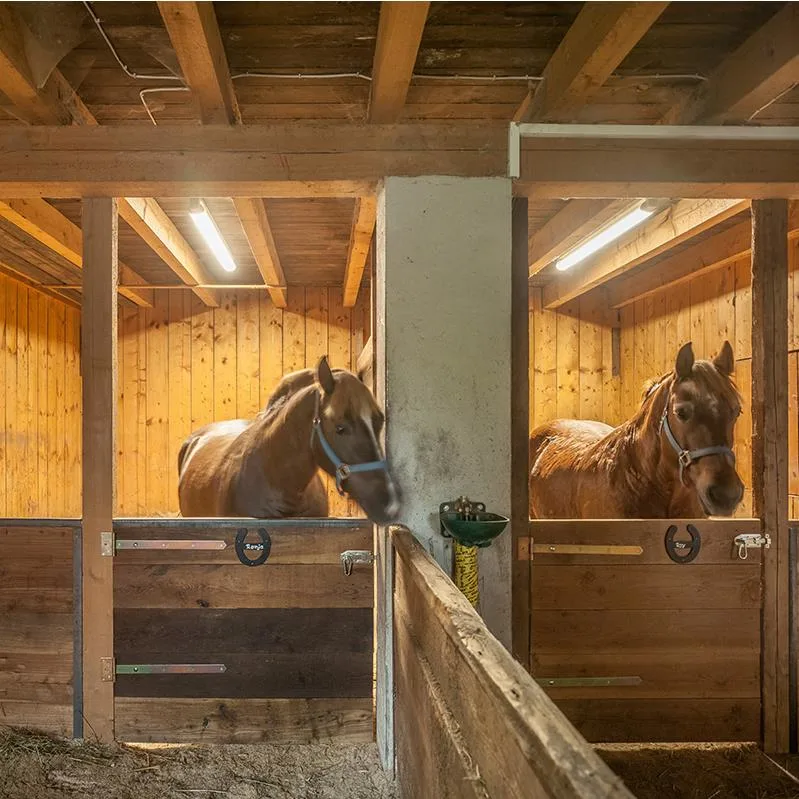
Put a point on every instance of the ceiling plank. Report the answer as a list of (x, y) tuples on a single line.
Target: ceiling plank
[(598, 40), (760, 70), (254, 222), (50, 291), (360, 241), (195, 36), (158, 231), (705, 256), (680, 222), (568, 227), (399, 34), (50, 227)]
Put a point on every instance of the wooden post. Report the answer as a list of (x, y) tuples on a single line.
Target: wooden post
[(520, 429), (770, 454), (99, 374)]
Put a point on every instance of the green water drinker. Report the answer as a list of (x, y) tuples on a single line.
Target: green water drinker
[(469, 524)]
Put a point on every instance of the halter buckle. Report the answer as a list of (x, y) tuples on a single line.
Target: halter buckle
[(685, 458)]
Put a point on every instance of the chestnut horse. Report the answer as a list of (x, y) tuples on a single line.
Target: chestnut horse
[(268, 467), (673, 459)]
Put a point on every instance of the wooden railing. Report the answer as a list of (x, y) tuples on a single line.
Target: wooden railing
[(470, 721)]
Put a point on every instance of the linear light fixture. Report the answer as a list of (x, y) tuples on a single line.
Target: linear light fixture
[(612, 232), (210, 232)]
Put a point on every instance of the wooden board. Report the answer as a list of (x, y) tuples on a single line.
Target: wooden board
[(646, 617)]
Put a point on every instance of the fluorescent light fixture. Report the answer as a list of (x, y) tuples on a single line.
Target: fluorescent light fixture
[(603, 238), (213, 238)]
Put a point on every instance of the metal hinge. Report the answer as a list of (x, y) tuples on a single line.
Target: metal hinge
[(107, 669), (747, 541), (107, 545), (353, 556)]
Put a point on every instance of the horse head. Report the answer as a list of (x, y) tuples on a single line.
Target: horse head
[(698, 424), (346, 442)]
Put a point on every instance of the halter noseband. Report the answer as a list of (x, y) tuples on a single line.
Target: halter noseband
[(687, 456), (343, 470)]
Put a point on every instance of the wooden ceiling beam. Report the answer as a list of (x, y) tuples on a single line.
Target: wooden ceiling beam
[(760, 70), (562, 232), (363, 226), (399, 34), (685, 219), (195, 36), (254, 222), (50, 227), (51, 291), (705, 256), (599, 39), (158, 231)]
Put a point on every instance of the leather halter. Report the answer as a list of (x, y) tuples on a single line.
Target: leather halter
[(342, 470), (687, 456)]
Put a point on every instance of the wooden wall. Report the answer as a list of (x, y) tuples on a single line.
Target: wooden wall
[(36, 627), (40, 404), (571, 353), (181, 365)]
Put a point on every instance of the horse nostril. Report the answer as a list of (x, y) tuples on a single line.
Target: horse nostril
[(721, 494)]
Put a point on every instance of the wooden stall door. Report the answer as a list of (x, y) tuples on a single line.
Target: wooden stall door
[(294, 635), (635, 647)]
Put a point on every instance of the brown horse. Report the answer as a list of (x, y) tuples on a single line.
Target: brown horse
[(673, 459), (268, 467)]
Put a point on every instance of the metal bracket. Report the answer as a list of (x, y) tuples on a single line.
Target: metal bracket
[(746, 541), (145, 543), (107, 670), (107, 545), (587, 682), (353, 556), (171, 668)]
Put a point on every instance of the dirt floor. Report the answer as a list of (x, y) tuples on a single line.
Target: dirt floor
[(698, 771), (36, 766)]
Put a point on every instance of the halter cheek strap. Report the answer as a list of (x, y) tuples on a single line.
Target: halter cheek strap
[(687, 456), (342, 470)]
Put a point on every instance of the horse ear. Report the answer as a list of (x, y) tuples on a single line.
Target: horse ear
[(325, 376), (725, 360), (685, 361)]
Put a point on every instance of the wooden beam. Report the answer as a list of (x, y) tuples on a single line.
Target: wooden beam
[(599, 39), (255, 223), (99, 352), (363, 227), (686, 218), (53, 291), (195, 35), (158, 231), (770, 456), (759, 71), (50, 227), (399, 34), (568, 227), (705, 256)]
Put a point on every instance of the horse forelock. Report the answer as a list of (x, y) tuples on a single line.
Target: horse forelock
[(715, 386)]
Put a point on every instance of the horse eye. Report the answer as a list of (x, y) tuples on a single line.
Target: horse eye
[(341, 429), (683, 414)]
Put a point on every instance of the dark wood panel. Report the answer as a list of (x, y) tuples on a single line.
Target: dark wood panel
[(56, 719), (280, 721), (147, 634), (642, 587), (223, 586), (298, 545), (664, 720)]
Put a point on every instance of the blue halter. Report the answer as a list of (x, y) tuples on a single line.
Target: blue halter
[(687, 456), (343, 470)]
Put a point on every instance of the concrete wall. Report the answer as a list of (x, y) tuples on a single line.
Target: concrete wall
[(443, 306)]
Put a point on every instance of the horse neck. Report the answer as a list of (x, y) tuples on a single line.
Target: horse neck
[(283, 444)]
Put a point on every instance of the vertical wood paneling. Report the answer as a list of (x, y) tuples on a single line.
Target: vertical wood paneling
[(157, 480), (271, 338), (590, 359), (225, 358), (4, 449), (568, 363), (202, 364), (294, 330), (13, 429), (248, 358), (74, 414), (179, 377)]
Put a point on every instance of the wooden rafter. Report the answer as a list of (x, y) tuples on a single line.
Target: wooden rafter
[(50, 227), (195, 36), (399, 34), (685, 219), (363, 227), (705, 256), (254, 222), (598, 41), (759, 71), (569, 226), (158, 231)]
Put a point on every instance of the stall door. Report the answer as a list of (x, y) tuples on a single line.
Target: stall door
[(635, 644)]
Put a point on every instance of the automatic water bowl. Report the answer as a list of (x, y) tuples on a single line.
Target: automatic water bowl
[(469, 524)]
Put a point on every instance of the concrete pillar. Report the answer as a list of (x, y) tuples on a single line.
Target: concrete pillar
[(443, 344)]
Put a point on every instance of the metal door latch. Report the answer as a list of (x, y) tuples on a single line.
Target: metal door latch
[(353, 556), (746, 541)]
